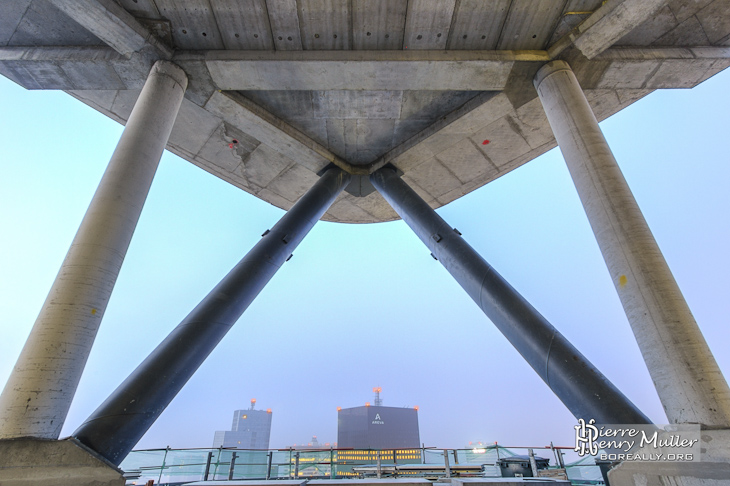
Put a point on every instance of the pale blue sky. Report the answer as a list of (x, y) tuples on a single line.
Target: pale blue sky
[(365, 305)]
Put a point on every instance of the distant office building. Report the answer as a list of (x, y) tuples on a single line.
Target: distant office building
[(378, 427), (313, 444), (251, 430)]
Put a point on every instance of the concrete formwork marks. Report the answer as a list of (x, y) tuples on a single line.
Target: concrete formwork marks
[(284, 22), (689, 383), (529, 24), (193, 24), (243, 24), (33, 28), (378, 24), (324, 24), (428, 24), (477, 24)]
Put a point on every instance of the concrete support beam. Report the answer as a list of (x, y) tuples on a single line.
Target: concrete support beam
[(41, 462), (102, 68), (72, 68), (650, 68), (38, 393), (613, 20), (690, 385), (363, 70), (111, 23)]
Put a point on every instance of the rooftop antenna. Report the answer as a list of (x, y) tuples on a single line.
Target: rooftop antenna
[(378, 401), (253, 403)]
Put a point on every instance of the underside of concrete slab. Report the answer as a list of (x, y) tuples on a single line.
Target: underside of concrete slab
[(280, 89)]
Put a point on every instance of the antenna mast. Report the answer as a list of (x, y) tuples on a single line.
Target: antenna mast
[(378, 401)]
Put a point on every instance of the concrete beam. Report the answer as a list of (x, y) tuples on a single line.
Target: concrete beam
[(101, 68), (43, 462), (274, 132), (651, 68), (362, 70), (111, 23), (613, 20), (69, 68)]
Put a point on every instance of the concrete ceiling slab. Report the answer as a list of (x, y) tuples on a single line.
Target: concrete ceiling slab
[(381, 24), (280, 89), (428, 24)]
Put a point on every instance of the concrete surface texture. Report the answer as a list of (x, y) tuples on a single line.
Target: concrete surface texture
[(279, 89), (41, 462), (687, 378), (35, 402)]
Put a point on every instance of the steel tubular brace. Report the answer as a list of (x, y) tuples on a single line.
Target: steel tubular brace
[(118, 424), (586, 392)]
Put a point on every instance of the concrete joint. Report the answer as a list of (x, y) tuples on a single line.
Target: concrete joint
[(171, 70), (550, 68)]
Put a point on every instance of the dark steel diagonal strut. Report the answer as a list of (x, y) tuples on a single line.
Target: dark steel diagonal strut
[(118, 424), (586, 392)]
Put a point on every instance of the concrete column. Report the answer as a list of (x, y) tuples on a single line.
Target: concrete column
[(690, 385), (38, 394)]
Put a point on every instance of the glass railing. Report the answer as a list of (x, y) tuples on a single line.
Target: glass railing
[(180, 466)]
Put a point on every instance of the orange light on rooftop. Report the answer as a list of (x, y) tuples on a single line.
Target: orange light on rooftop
[(416, 408), (367, 404), (268, 410), (339, 408)]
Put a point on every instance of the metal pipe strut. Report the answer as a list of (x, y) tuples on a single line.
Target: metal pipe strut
[(118, 424), (576, 382)]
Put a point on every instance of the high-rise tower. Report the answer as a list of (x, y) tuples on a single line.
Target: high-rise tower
[(250, 430)]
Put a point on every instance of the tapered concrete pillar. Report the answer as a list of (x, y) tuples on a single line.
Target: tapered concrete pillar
[(38, 394), (690, 385)]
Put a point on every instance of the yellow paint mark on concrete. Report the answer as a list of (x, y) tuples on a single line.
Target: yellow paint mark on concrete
[(622, 280), (93, 312)]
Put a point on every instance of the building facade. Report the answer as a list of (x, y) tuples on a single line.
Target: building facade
[(251, 429), (378, 427)]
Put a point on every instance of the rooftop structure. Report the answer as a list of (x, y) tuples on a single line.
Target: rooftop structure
[(358, 112)]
